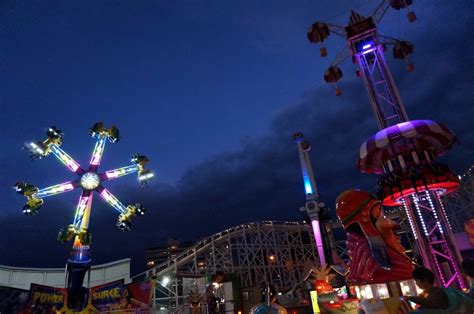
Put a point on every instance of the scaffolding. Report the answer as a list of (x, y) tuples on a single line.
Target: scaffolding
[(460, 204)]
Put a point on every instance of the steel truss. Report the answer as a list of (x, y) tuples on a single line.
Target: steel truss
[(435, 240), (259, 253), (460, 204), (383, 93)]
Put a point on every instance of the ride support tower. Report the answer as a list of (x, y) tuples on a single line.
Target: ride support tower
[(403, 152), (314, 207)]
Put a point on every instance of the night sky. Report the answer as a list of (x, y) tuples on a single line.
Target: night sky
[(211, 92)]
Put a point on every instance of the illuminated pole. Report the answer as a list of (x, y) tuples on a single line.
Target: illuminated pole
[(313, 205)]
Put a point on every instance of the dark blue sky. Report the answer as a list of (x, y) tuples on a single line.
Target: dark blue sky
[(211, 92)]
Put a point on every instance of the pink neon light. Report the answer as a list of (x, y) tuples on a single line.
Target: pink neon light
[(105, 194), (72, 165), (84, 201), (68, 186), (319, 241), (95, 160)]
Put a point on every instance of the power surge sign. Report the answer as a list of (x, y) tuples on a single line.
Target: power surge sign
[(44, 299), (116, 296), (104, 298), (109, 296)]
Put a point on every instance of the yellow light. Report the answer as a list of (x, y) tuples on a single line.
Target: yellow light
[(382, 291), (366, 292), (314, 301), (358, 293)]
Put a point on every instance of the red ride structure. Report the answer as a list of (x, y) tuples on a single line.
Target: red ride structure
[(403, 152)]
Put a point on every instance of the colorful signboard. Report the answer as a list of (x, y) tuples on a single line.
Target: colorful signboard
[(44, 299), (104, 298)]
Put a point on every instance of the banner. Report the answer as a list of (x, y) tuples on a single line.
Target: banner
[(107, 297), (44, 299), (104, 298), (115, 296), (13, 300)]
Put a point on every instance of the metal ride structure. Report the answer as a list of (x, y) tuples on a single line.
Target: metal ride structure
[(460, 205), (89, 180), (403, 151), (314, 207), (259, 253), (330, 252)]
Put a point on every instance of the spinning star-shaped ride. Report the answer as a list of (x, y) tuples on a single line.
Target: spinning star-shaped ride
[(89, 180)]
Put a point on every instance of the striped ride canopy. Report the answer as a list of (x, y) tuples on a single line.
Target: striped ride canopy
[(402, 139)]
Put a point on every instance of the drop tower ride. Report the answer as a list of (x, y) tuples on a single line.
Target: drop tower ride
[(403, 151)]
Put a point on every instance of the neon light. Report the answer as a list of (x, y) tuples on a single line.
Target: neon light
[(314, 301), (113, 201), (367, 46), (428, 196), (80, 210), (55, 189), (439, 194), (307, 185), (65, 158), (409, 218), (319, 241), (112, 174), (450, 253), (420, 216), (36, 148), (367, 51), (440, 273), (146, 176), (98, 151)]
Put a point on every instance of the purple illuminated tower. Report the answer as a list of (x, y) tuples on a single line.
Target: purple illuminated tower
[(313, 206), (403, 152)]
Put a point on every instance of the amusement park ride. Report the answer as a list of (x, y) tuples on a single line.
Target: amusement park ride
[(314, 207), (403, 152), (89, 180)]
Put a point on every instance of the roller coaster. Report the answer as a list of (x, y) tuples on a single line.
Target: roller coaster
[(259, 253)]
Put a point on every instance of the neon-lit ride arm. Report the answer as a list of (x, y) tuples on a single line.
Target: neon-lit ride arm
[(313, 205), (66, 159), (319, 241), (307, 173), (119, 172), (57, 189), (81, 218), (111, 199), (98, 151)]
